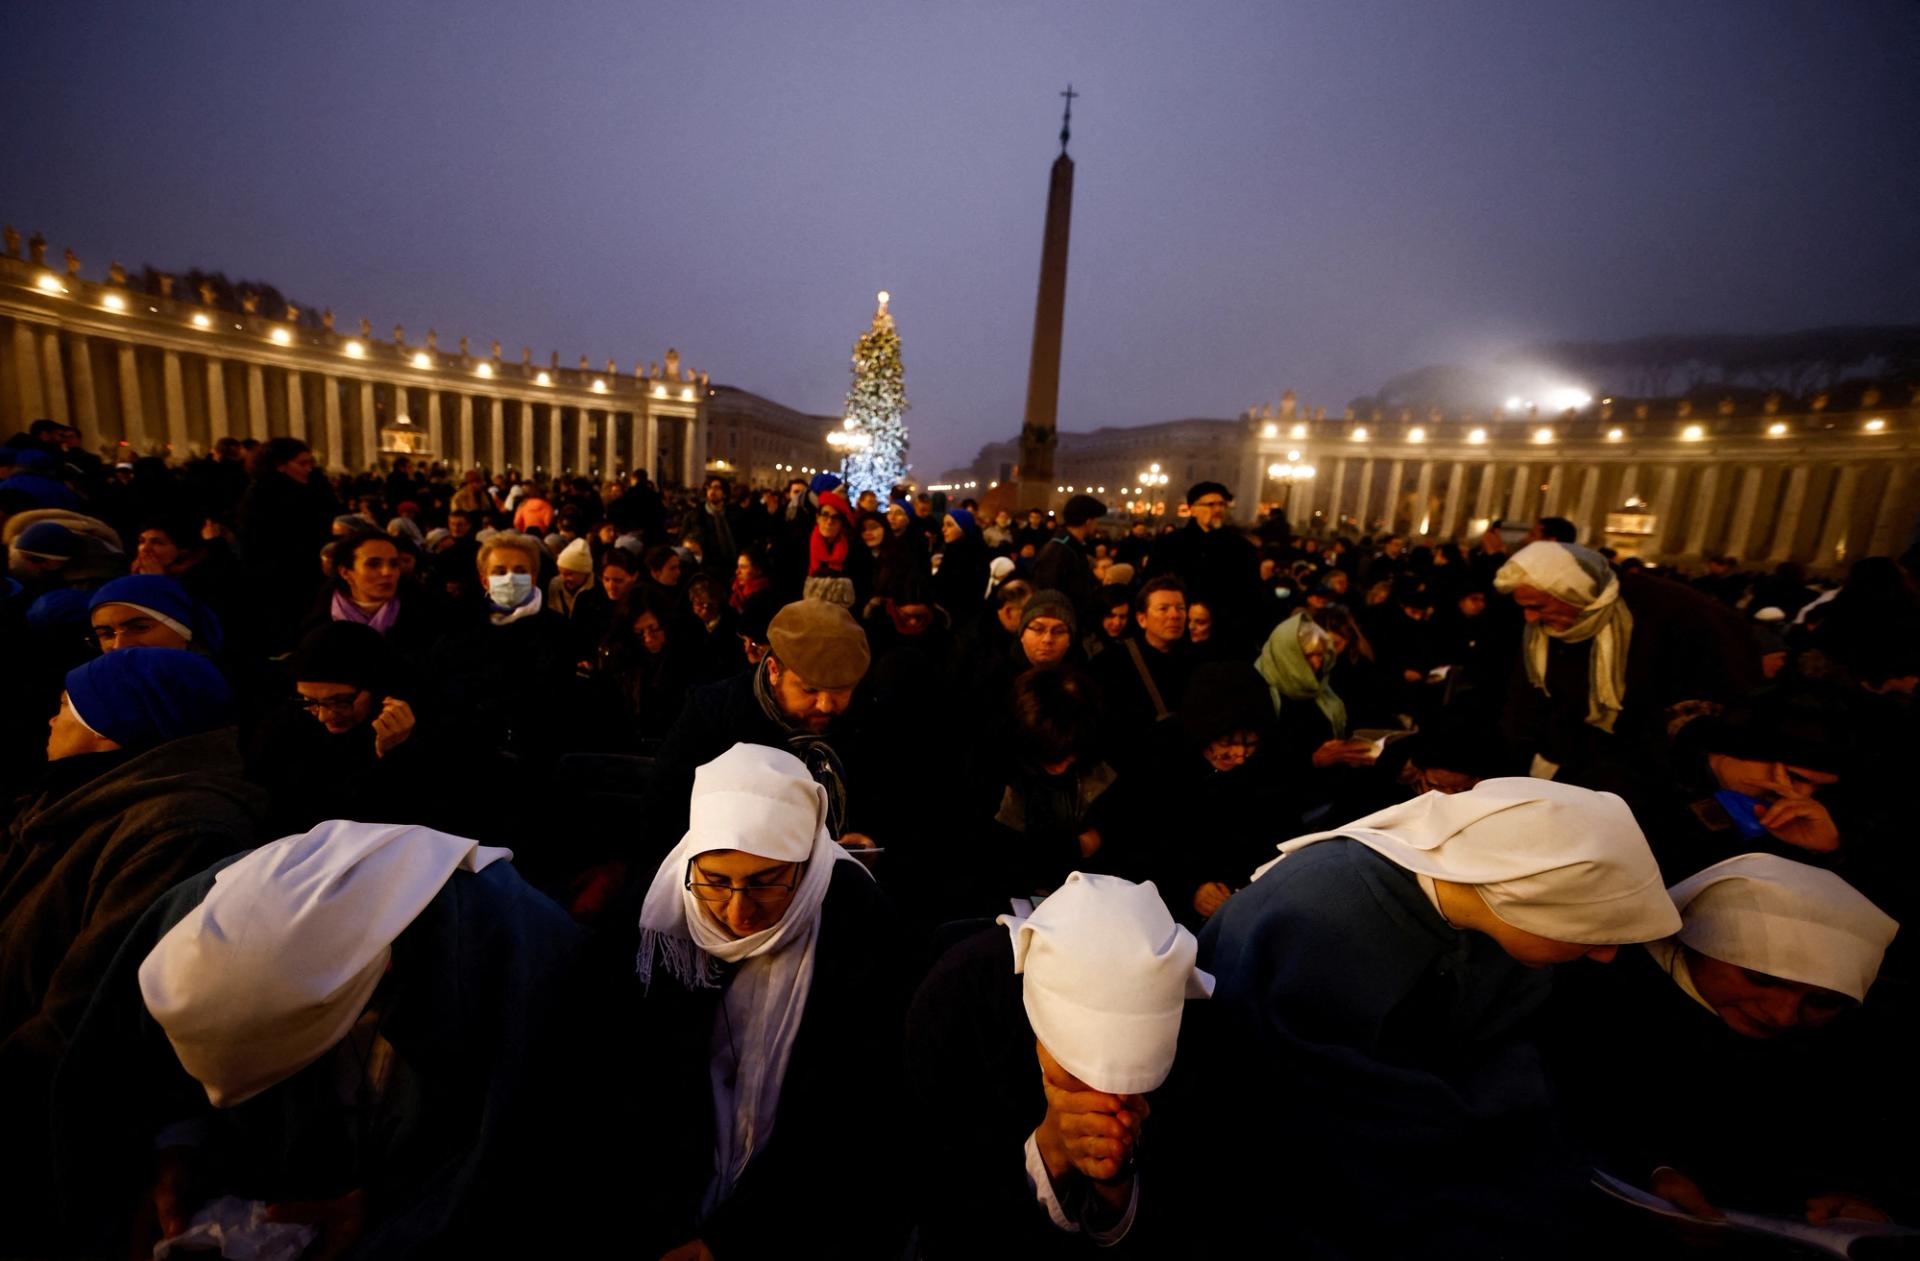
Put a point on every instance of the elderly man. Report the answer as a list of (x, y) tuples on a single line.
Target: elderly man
[(793, 700), (1605, 655), (143, 788), (1040, 1041)]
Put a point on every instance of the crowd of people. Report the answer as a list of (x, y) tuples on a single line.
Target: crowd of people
[(416, 864)]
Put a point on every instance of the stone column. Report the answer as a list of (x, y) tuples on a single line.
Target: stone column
[(86, 408), (496, 435), (692, 457), (1583, 507), (132, 414), (336, 434), (1396, 480), (369, 431), (582, 440), (26, 361), (609, 446), (1483, 494), (526, 439), (257, 401), (53, 376), (217, 425), (1890, 525), (1517, 501), (1700, 519), (1456, 496), (1665, 505), (434, 435), (1366, 493), (296, 406), (652, 462), (174, 396), (1337, 494), (1839, 523), (1423, 500), (1299, 499), (1787, 526), (1629, 483), (1253, 480), (1556, 489), (1746, 503), (464, 426), (556, 438)]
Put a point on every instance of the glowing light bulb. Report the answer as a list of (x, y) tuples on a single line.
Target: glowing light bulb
[(281, 336), (355, 350)]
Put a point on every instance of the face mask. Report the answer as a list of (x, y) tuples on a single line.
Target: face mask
[(509, 591)]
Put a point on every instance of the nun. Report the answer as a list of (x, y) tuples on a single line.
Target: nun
[(1038, 1041), (766, 1032), (1733, 1064), (152, 611), (351, 1030), (1376, 987)]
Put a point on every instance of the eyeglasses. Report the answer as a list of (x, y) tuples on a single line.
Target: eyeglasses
[(330, 704), (760, 894)]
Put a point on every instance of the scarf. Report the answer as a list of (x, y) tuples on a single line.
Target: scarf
[(506, 617), (821, 761), (722, 531), (758, 801), (1283, 664), (1583, 579), (381, 619), (1564, 863), (744, 590), (830, 557)]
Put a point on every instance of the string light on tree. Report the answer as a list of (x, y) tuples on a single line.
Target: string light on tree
[(874, 434)]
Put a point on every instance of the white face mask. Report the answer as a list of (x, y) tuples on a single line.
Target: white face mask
[(509, 591)]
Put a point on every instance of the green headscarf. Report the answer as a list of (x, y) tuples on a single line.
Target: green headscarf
[(1283, 664)]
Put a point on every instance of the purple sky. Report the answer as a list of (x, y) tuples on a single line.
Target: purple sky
[(1316, 195)]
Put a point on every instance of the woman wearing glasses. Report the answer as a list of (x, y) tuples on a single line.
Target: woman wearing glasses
[(768, 1026)]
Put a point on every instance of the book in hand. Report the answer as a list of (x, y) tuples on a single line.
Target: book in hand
[(1381, 737), (1838, 1237)]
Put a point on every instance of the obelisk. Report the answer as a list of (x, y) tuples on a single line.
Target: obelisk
[(1037, 436)]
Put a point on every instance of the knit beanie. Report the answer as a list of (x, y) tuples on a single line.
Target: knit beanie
[(1049, 604)]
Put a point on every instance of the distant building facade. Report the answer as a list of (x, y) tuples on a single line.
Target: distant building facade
[(756, 440), (170, 373), (1812, 484), (1118, 464)]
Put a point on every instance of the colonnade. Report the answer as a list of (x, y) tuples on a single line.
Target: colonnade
[(150, 375), (1815, 490)]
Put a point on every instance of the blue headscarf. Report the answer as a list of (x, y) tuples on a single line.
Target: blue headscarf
[(964, 519), (164, 598), (140, 697)]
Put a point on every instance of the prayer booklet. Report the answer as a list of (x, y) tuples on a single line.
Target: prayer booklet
[(1381, 737), (1841, 1237)]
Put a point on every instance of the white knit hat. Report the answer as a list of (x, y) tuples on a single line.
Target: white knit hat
[(576, 556)]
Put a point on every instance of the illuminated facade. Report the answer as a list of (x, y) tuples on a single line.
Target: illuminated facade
[(141, 373)]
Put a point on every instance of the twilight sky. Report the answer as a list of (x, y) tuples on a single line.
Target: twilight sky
[(1316, 194)]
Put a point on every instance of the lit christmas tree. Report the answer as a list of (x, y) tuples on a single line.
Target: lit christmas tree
[(875, 434)]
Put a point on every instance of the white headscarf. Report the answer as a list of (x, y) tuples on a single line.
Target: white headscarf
[(1580, 577), (1106, 976), (270, 971), (759, 801), (1780, 917), (1564, 863)]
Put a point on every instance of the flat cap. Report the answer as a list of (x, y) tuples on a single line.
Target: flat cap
[(820, 642)]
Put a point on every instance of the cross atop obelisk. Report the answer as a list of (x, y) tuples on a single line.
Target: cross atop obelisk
[(1037, 433)]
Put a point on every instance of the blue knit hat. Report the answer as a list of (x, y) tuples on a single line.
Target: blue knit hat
[(166, 599), (140, 697), (49, 538), (964, 519), (824, 482)]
